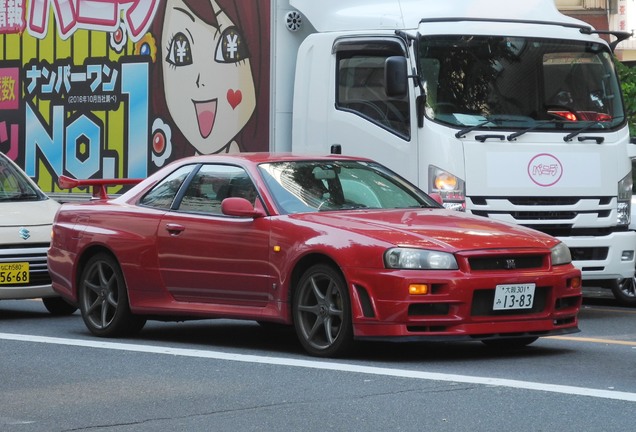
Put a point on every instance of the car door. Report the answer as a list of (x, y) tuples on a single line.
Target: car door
[(205, 256)]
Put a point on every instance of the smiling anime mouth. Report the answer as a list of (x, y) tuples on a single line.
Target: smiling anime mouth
[(206, 115)]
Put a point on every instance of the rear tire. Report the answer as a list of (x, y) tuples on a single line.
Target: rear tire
[(58, 306), (322, 312), (103, 299)]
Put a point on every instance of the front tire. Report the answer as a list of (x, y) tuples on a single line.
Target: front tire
[(103, 299), (322, 312), (624, 291)]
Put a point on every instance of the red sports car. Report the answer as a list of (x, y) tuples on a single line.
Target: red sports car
[(341, 248)]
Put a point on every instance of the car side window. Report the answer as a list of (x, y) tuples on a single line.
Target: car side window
[(212, 184), (361, 89), (163, 194)]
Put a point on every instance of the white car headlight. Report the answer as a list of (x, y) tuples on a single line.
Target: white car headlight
[(561, 254), (419, 259)]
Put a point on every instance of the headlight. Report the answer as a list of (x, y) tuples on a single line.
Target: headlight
[(561, 254), (419, 259), (451, 188), (624, 200)]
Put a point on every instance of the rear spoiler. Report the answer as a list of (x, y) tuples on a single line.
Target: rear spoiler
[(99, 185)]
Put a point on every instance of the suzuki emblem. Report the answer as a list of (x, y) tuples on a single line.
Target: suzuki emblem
[(24, 233)]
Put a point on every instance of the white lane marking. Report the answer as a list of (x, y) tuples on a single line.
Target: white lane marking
[(328, 365), (12, 422)]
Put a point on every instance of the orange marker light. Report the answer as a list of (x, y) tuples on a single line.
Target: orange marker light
[(418, 289), (276, 248)]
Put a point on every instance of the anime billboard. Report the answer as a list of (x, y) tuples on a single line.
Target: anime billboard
[(119, 88)]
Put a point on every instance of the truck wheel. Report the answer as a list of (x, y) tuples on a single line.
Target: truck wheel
[(103, 299), (58, 306), (624, 291), (322, 312)]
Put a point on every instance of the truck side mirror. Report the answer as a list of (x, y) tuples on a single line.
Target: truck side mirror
[(395, 76)]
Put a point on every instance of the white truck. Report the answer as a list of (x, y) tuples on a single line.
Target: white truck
[(509, 110)]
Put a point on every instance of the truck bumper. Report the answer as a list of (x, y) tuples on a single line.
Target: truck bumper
[(604, 258)]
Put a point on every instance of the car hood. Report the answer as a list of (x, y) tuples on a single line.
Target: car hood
[(432, 228), (28, 213)]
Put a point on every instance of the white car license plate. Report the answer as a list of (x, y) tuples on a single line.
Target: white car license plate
[(14, 273), (515, 296)]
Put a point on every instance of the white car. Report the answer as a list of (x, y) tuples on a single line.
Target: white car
[(26, 216)]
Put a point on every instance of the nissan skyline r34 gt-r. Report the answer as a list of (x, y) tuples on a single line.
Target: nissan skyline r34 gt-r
[(340, 248)]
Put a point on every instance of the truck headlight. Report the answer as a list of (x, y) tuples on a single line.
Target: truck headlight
[(561, 254), (451, 188), (419, 259), (624, 200)]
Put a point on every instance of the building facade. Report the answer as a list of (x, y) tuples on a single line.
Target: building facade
[(614, 15)]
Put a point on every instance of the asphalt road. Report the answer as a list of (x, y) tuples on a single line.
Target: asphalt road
[(221, 375)]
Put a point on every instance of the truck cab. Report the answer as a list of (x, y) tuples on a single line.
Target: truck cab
[(511, 112)]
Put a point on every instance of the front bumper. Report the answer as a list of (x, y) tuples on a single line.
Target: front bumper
[(26, 292), (39, 279), (601, 257), (460, 305)]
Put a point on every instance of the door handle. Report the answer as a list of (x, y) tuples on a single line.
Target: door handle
[(174, 229)]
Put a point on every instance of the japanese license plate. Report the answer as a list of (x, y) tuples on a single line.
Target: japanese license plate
[(515, 296), (14, 273)]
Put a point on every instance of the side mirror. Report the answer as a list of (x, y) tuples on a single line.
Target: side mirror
[(396, 76), (241, 207)]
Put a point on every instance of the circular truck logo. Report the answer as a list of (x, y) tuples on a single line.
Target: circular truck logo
[(545, 169)]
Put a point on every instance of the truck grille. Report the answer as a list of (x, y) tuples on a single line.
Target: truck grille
[(589, 253), (541, 201), (35, 255), (543, 215), (548, 214)]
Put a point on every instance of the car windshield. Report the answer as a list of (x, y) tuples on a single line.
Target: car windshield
[(14, 186), (309, 186), (491, 82)]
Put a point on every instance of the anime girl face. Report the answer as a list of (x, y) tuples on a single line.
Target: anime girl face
[(208, 83)]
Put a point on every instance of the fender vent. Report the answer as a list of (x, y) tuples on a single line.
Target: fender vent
[(365, 302)]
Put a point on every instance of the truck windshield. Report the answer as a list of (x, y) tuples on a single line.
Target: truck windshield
[(523, 84)]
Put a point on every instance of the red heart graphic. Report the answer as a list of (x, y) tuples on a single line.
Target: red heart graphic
[(234, 97)]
